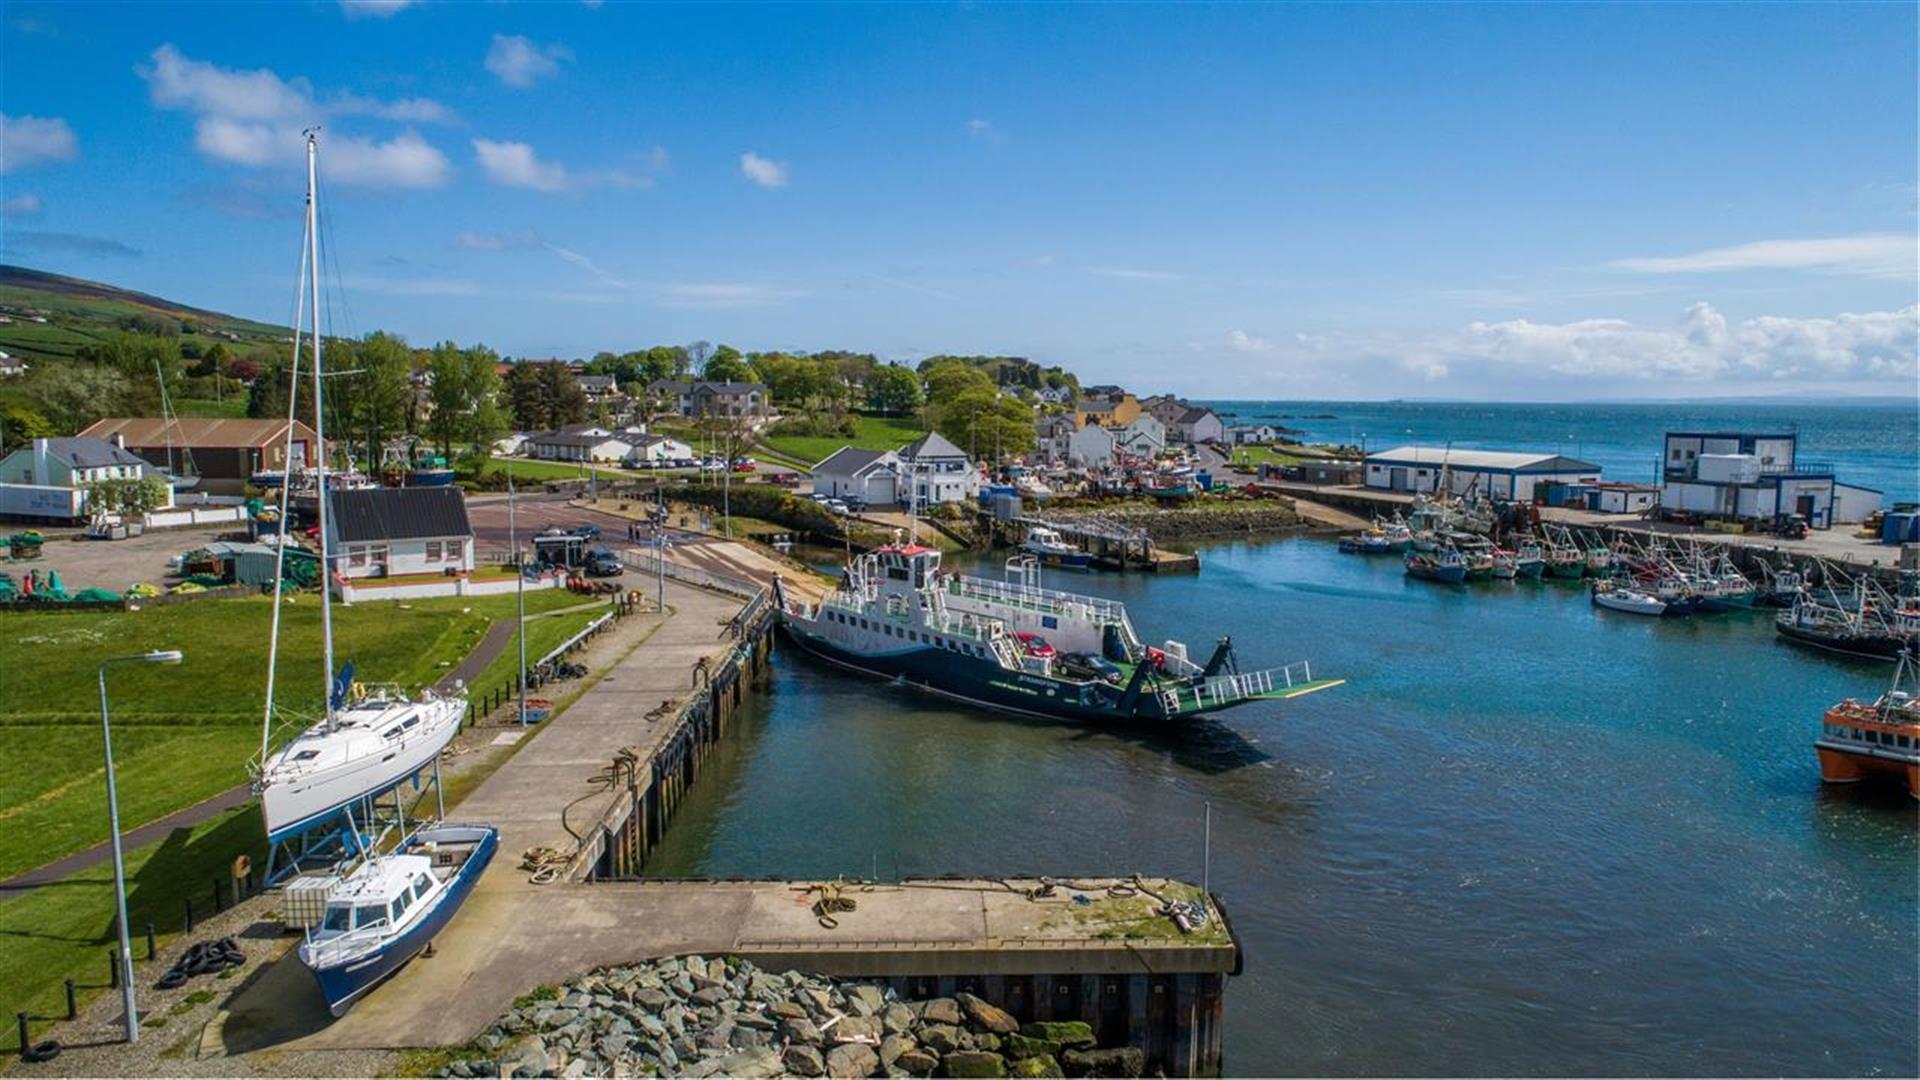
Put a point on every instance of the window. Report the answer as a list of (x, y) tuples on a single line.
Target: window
[(401, 902), (356, 556), (456, 550), (339, 918), (433, 551), (369, 915), (421, 884)]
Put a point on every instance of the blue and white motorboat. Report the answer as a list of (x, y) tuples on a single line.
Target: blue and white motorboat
[(390, 907), (1051, 549)]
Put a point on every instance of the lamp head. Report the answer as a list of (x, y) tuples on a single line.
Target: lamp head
[(164, 656)]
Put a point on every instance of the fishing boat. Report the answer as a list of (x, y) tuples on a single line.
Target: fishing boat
[(1506, 564), (1371, 542), (1476, 553), (1859, 741), (1048, 546), (366, 741), (1783, 589), (896, 615), (1849, 633), (390, 906), (1615, 597), (430, 470), (1446, 566), (1599, 559), (1528, 562)]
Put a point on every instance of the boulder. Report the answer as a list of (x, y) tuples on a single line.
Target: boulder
[(857, 1027), (944, 1039), (1119, 1061), (852, 1060), (892, 1047), (973, 1063), (982, 1014), (804, 1061), (800, 1030), (865, 999), (1071, 1033), (941, 1011), (1037, 1065), (787, 1010), (1019, 1046), (711, 994), (916, 1063), (896, 1018)]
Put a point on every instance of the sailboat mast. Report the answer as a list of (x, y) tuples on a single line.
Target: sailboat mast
[(284, 522), (319, 420)]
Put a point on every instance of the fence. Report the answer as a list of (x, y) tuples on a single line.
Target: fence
[(537, 675), (647, 562)]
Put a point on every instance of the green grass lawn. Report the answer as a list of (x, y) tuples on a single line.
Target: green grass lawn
[(184, 733), (65, 929), (870, 433), (231, 407), (1255, 456)]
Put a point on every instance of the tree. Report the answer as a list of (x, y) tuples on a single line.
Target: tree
[(949, 378), (464, 395), (693, 358), (790, 379), (893, 389), (384, 398), (211, 361), (137, 495), (985, 422), (71, 396), (545, 395), (723, 368), (21, 424)]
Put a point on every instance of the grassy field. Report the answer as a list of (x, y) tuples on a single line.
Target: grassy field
[(1255, 456), (64, 930), (185, 733), (232, 407), (870, 433)]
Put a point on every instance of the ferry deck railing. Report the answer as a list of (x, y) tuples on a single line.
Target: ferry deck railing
[(1221, 690), (1048, 601)]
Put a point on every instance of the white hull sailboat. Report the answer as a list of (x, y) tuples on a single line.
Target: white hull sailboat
[(368, 741)]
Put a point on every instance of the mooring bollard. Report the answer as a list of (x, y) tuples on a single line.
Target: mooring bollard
[(73, 1009), (150, 949)]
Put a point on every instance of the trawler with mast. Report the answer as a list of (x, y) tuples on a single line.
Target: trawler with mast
[(366, 740)]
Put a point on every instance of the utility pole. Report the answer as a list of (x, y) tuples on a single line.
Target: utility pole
[(520, 593)]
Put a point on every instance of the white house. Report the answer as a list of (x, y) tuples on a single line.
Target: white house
[(1198, 424), (11, 365), (1144, 437), (1090, 447), (1617, 498), (389, 532), (1245, 434), (579, 442), (1499, 474), (940, 471), (49, 477), (861, 477), (655, 449)]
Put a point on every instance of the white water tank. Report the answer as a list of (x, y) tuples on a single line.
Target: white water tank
[(1728, 468)]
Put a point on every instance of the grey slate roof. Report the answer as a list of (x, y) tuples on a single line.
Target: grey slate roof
[(931, 445), (849, 460), (405, 513), (86, 452)]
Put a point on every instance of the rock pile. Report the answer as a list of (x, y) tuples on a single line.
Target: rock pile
[(698, 1017)]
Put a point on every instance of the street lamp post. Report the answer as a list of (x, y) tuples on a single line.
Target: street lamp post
[(158, 656)]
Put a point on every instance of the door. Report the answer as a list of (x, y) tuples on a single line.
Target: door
[(1397, 480), (1804, 507)]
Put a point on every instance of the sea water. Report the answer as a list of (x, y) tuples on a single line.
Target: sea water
[(1870, 445), (1525, 837)]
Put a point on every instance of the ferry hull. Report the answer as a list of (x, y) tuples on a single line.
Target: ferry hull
[(984, 683), (346, 983), (1842, 765)]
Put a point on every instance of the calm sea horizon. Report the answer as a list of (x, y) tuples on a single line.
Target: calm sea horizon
[(1870, 444)]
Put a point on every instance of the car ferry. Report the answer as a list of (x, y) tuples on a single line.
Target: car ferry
[(1859, 740), (1016, 647)]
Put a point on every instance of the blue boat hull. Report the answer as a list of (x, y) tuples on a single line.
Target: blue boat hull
[(1078, 560), (1446, 575), (346, 983), (430, 477)]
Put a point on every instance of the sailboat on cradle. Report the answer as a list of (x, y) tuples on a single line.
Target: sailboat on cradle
[(369, 739)]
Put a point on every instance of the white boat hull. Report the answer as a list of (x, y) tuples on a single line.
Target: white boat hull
[(294, 799)]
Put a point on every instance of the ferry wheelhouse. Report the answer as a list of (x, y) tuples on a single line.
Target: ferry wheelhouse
[(1016, 647), (1859, 740)]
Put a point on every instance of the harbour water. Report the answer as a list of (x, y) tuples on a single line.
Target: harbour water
[(1870, 445), (1526, 837)]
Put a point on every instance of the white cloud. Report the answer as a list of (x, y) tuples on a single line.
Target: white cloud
[(374, 9), (20, 206), (983, 130), (1875, 255), (26, 141), (763, 171), (255, 118), (521, 62), (1238, 341), (514, 164), (725, 295)]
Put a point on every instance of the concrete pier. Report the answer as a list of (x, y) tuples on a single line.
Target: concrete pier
[(595, 788)]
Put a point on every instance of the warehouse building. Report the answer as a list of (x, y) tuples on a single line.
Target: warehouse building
[(1756, 476), (1496, 473)]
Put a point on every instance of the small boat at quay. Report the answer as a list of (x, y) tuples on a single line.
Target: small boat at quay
[(1476, 553), (1372, 542), (1625, 598), (1506, 564), (1446, 566), (1863, 634), (1015, 647), (1051, 549), (1860, 740), (1528, 562), (388, 908)]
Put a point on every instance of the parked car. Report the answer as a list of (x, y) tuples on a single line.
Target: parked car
[(745, 465), (837, 507), (586, 529), (604, 563)]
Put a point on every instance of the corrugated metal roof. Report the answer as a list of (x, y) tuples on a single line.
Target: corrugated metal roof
[(1479, 459), (194, 431), (406, 513)]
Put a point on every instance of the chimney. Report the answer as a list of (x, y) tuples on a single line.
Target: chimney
[(120, 439)]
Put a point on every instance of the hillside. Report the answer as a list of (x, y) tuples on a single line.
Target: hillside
[(78, 311)]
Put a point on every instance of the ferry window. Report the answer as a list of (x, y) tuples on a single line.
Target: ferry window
[(338, 918), (421, 884)]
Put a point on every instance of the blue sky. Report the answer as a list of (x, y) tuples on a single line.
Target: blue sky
[(1530, 202)]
